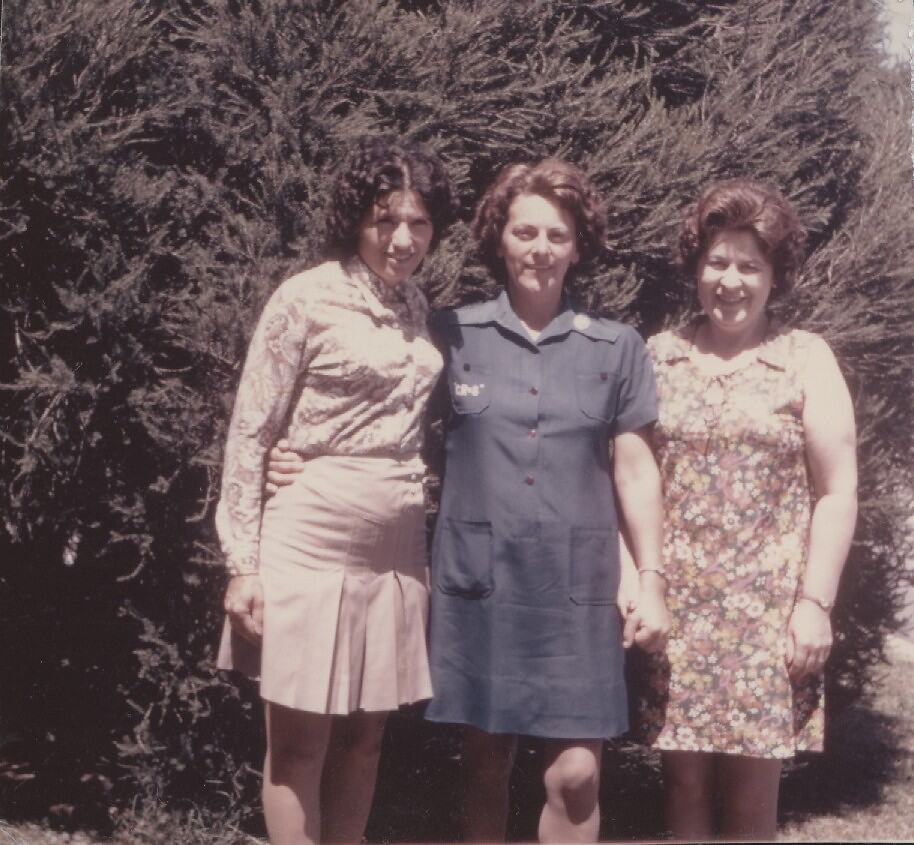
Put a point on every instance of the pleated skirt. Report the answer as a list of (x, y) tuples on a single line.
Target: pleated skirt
[(343, 563)]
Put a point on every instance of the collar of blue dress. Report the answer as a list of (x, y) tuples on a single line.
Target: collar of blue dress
[(498, 311)]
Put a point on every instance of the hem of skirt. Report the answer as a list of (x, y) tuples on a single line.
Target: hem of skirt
[(291, 705), (787, 754), (494, 726), (232, 671)]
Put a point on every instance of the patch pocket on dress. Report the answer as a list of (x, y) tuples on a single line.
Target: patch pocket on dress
[(593, 578), (463, 563), (469, 387), (597, 395)]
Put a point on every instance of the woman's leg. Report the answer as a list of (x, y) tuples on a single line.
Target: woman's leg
[(296, 748), (749, 797), (572, 780), (350, 772), (487, 763), (688, 786)]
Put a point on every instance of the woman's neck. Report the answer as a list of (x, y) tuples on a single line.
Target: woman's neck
[(535, 309), (710, 340)]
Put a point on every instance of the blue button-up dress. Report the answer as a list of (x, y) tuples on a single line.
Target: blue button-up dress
[(525, 635)]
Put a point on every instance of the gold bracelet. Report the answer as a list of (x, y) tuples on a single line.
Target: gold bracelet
[(660, 572), (820, 603)]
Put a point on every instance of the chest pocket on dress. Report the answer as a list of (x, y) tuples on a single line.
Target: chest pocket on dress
[(470, 388), (597, 394)]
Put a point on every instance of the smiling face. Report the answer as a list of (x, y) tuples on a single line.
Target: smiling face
[(735, 279), (538, 245), (395, 235)]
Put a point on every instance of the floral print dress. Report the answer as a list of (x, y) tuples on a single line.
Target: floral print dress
[(737, 497)]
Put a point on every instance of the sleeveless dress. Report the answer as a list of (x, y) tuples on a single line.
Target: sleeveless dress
[(737, 502)]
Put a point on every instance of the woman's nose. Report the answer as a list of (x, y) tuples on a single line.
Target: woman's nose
[(541, 243), (730, 277), (401, 237)]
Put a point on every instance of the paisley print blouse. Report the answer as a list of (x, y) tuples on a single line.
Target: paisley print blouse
[(340, 364)]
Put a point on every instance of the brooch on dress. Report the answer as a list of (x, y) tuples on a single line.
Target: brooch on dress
[(461, 389)]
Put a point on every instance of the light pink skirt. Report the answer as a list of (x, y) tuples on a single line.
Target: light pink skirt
[(343, 563)]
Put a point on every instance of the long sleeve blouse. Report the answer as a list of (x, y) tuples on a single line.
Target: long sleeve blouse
[(340, 364)]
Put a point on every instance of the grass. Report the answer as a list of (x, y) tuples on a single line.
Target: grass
[(862, 791), (866, 793)]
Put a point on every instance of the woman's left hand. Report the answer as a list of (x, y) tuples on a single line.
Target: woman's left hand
[(809, 639), (283, 467)]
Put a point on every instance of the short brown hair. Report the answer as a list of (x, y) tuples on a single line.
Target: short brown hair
[(748, 205), (556, 180), (380, 164)]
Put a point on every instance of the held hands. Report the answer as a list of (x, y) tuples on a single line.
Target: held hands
[(647, 621), (809, 639), (244, 606), (283, 465)]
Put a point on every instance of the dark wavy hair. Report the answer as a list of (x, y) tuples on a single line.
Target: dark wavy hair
[(380, 164), (748, 205), (556, 180)]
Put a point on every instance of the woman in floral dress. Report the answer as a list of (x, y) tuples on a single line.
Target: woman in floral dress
[(756, 445)]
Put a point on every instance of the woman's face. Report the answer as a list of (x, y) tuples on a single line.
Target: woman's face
[(735, 279), (538, 245), (394, 235)]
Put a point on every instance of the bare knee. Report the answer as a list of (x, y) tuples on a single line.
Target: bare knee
[(359, 735), (573, 778), (749, 790), (296, 743), (488, 757), (689, 776)]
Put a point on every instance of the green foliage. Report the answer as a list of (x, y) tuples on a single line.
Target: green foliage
[(166, 168)]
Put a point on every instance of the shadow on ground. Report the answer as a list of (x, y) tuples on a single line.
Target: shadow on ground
[(419, 784), (863, 757)]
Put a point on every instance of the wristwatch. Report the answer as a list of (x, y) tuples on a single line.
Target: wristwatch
[(825, 605)]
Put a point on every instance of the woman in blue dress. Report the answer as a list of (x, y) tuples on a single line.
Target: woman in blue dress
[(549, 413), (549, 410)]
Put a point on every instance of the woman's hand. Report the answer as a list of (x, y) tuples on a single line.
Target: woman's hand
[(647, 621), (283, 465), (637, 480), (809, 639), (244, 606)]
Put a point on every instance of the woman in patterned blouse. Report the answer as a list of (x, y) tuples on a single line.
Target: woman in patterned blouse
[(756, 444), (328, 595)]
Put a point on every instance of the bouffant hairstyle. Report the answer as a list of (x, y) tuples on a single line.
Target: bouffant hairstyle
[(751, 206), (553, 179), (377, 166)]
